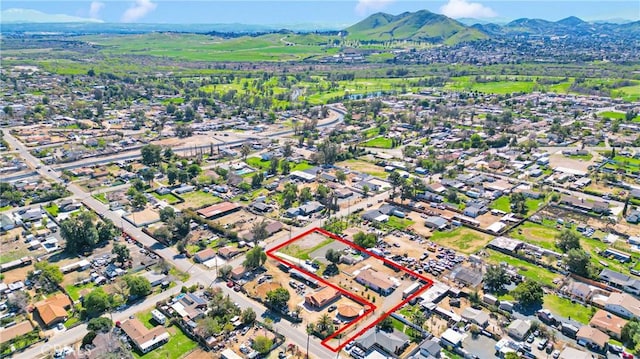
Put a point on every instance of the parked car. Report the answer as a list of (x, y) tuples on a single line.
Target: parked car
[(332, 308)]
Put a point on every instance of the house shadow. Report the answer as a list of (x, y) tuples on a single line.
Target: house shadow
[(529, 310)]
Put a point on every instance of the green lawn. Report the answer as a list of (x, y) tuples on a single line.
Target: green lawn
[(462, 239), (295, 250), (364, 167), (7, 207), (258, 163), (502, 204), (399, 223), (564, 308), (101, 197), (74, 291), (178, 345), (529, 270), (378, 142), (52, 210), (71, 321), (533, 204), (170, 198), (586, 157), (147, 319), (613, 115)]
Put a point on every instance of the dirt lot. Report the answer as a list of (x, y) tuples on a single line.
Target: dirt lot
[(145, 216), (559, 160), (200, 354), (280, 279)]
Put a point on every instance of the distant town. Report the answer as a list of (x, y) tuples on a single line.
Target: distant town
[(236, 213)]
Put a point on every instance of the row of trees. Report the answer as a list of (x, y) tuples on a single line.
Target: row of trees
[(81, 232)]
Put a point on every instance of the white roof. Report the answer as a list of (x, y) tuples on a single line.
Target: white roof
[(452, 336), (570, 171), (178, 307), (230, 354), (496, 227)]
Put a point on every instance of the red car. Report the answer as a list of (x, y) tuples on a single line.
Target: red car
[(627, 356), (230, 284)]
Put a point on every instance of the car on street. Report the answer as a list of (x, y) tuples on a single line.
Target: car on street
[(230, 284), (555, 354)]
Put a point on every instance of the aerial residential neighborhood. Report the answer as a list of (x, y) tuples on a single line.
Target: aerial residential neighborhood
[(178, 192)]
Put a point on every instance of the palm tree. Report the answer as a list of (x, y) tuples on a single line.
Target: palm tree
[(309, 331), (323, 323), (244, 151)]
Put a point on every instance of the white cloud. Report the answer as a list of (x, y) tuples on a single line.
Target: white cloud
[(365, 7), (464, 8), (138, 10), (94, 9)]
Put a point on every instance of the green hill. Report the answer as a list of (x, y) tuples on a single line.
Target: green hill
[(420, 26)]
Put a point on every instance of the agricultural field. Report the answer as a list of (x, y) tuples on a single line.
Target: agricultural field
[(462, 239)]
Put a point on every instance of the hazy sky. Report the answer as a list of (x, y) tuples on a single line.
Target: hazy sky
[(323, 12)]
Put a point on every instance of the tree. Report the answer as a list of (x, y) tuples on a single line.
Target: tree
[(285, 167), (262, 344), (452, 196), (139, 201), (255, 258), (631, 334), (418, 318), (278, 297), (386, 325), (333, 256), (168, 153), (259, 231), (18, 301), (518, 203), (151, 154), (395, 180), (290, 194), (365, 240), (100, 324), (495, 278), (341, 176), (567, 240), (287, 151), (106, 230), (148, 175), (511, 355), (579, 262), (365, 191), (122, 252), (138, 286), (163, 234), (528, 293), (96, 302), (248, 316), (79, 233), (167, 214), (88, 338), (172, 175), (305, 195), (225, 271), (245, 150), (324, 323), (273, 165), (256, 180)]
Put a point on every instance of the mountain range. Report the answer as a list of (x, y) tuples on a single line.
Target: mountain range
[(430, 27), (423, 25)]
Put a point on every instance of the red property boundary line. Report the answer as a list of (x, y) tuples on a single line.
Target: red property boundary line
[(370, 307)]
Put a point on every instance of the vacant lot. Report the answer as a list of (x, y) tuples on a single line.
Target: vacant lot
[(197, 199), (566, 309), (462, 239), (543, 235), (364, 167), (529, 270)]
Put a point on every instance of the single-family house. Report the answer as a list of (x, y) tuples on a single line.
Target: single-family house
[(204, 255), (391, 343), (311, 207), (238, 272), (629, 284), (228, 252), (451, 338), (271, 228), (476, 316), (572, 353), (623, 304), (518, 329), (376, 281), (53, 310), (592, 338), (142, 338), (578, 290), (154, 278), (430, 348), (608, 323)]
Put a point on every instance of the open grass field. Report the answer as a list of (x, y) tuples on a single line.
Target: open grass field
[(501, 204), (364, 167), (586, 157), (538, 234), (198, 199), (564, 308), (378, 142), (399, 223), (528, 270), (462, 239), (169, 197), (259, 164), (614, 115), (628, 93), (194, 47), (178, 345), (504, 85)]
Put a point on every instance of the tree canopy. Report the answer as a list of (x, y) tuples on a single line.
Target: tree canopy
[(278, 297), (567, 240), (79, 233), (255, 258), (495, 278), (138, 286), (365, 240), (579, 262), (528, 293), (96, 302)]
